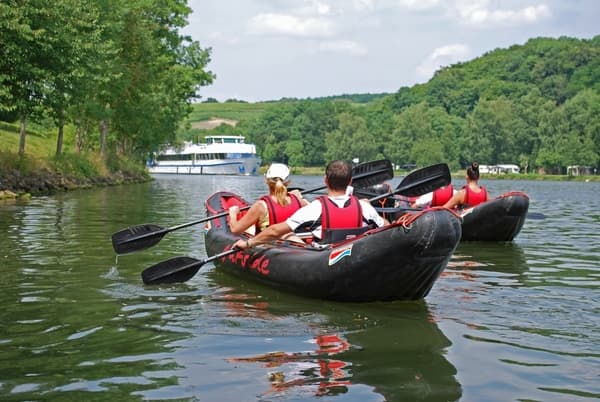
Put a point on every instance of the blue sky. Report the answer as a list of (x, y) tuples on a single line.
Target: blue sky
[(270, 49)]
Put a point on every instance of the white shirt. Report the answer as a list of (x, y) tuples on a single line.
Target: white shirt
[(312, 212)]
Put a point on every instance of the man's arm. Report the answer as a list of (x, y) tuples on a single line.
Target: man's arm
[(271, 233), (370, 213)]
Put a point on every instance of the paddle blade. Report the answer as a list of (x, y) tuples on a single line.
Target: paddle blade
[(535, 215), (175, 270), (370, 173), (424, 180), (138, 237)]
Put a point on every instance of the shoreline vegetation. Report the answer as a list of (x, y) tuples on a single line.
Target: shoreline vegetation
[(39, 172)]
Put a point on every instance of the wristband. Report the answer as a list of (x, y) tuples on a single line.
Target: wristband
[(248, 243)]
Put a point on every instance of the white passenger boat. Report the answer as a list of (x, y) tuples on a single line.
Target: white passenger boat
[(221, 154)]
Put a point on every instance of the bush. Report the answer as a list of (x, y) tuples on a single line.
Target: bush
[(25, 164), (78, 165)]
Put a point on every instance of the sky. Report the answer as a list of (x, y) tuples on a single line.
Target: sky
[(272, 49)]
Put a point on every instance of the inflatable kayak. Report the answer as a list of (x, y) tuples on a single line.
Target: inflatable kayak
[(401, 261), (499, 219)]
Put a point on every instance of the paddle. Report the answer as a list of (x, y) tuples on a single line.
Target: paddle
[(420, 181), (535, 215), (180, 269), (141, 237)]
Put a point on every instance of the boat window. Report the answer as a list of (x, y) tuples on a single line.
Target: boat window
[(177, 157)]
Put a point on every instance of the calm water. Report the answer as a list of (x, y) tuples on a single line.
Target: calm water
[(505, 322)]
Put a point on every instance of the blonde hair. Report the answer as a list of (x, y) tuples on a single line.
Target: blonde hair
[(278, 189)]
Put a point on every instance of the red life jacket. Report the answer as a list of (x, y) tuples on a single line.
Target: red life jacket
[(472, 198), (334, 217), (442, 195), (279, 213)]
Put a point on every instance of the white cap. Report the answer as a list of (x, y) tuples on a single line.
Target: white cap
[(278, 170)]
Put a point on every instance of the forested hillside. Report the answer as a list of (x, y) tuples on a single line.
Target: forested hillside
[(119, 78), (536, 105)]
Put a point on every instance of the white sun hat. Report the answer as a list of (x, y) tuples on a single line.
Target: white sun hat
[(278, 170)]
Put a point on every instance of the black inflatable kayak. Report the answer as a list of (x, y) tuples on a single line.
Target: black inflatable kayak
[(398, 262), (499, 219)]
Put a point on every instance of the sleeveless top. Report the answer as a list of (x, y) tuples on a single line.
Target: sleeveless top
[(442, 195), (472, 198)]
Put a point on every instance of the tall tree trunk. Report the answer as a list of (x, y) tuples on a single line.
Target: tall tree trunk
[(103, 131), (78, 136), (22, 136), (61, 130)]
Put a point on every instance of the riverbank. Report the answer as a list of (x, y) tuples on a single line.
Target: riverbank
[(14, 184), (40, 172)]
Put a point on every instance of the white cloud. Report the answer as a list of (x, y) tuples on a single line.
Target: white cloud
[(343, 46), (442, 56), (361, 5), (419, 4), (269, 24), (220, 36), (480, 13)]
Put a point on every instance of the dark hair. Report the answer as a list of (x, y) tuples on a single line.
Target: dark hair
[(473, 171), (339, 175)]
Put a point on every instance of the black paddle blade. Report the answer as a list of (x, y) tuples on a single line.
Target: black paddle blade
[(535, 215), (369, 173), (138, 237), (424, 180), (175, 270)]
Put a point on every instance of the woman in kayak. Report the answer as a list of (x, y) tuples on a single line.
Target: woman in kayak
[(273, 208), (472, 193)]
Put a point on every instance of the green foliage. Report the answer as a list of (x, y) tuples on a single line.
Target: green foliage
[(78, 165), (120, 65), (124, 66), (25, 164)]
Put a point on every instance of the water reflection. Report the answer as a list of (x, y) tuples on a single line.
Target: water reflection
[(506, 303), (515, 321), (375, 351)]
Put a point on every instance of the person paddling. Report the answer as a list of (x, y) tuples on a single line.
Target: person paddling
[(273, 208), (336, 210), (472, 193)]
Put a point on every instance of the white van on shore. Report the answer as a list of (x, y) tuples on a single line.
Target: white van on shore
[(499, 169)]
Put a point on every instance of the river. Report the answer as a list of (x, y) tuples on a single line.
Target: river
[(505, 321)]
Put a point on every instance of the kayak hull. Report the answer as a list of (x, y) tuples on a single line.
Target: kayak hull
[(398, 262), (499, 219)]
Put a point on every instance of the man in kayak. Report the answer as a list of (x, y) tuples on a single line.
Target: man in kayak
[(336, 211)]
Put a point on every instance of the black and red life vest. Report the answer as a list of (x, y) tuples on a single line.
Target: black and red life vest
[(279, 213), (442, 195), (472, 198), (348, 217)]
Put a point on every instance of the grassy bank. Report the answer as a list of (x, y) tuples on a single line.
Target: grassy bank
[(39, 171)]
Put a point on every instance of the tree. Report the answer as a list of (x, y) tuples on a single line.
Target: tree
[(22, 75), (350, 139)]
